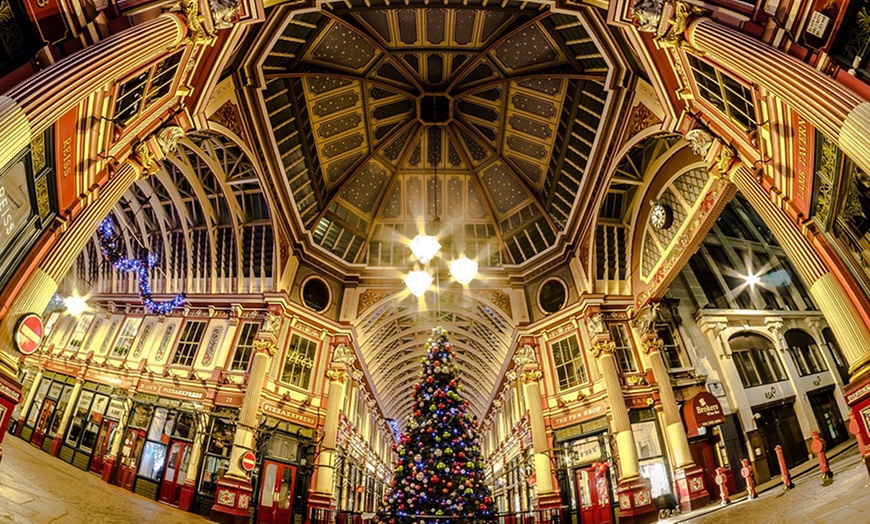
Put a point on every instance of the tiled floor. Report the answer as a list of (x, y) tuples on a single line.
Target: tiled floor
[(37, 488)]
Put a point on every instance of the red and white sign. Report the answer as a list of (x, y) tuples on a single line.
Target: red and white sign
[(28, 333), (248, 461)]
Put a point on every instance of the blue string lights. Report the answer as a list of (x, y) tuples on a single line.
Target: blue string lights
[(110, 247)]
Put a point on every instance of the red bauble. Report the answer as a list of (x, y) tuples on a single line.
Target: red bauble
[(452, 383), (445, 491), (436, 363), (430, 380)]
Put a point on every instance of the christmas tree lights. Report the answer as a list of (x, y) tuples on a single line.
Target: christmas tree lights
[(439, 471), (109, 245)]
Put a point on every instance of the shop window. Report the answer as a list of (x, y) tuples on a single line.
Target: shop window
[(36, 405), (62, 405), (624, 351), (188, 343), (670, 347), (216, 461), (756, 360), (299, 361), (141, 92), (153, 459), (125, 338), (244, 346), (568, 359), (140, 416), (649, 452), (79, 418), (78, 334), (86, 420), (805, 353), (726, 94)]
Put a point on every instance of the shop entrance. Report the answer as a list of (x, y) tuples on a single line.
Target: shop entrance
[(42, 422), (176, 471), (778, 425), (275, 501), (593, 494), (103, 445), (831, 426), (129, 458)]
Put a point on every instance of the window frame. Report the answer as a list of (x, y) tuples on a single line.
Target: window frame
[(724, 113), (145, 103), (314, 345), (132, 339), (231, 368), (743, 356), (76, 331), (178, 342), (555, 345), (620, 351)]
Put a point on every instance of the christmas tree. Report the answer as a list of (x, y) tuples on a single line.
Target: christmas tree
[(439, 471)]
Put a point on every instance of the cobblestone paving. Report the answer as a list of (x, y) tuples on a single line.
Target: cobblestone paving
[(845, 500), (36, 488)]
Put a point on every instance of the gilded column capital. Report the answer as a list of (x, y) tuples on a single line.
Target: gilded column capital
[(203, 25), (602, 348), (651, 342), (146, 158), (668, 19), (532, 376), (266, 346), (336, 375)]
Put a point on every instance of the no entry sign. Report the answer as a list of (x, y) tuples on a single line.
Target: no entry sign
[(28, 333), (248, 461)]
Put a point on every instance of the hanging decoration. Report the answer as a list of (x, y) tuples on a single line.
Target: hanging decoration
[(110, 246)]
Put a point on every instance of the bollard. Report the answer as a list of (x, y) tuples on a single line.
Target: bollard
[(722, 480), (747, 473), (818, 447), (786, 477)]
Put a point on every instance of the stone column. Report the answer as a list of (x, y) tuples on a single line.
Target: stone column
[(322, 495), (188, 490), (233, 494), (115, 446), (37, 103), (67, 414), (527, 367), (833, 109), (688, 477), (29, 400), (828, 294), (634, 492)]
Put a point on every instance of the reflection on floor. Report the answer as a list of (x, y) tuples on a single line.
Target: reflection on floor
[(36, 488)]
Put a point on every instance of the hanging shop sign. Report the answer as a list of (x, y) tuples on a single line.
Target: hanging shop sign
[(580, 415), (28, 333), (703, 410), (803, 157), (289, 415)]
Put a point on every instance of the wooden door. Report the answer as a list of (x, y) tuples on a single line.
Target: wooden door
[(128, 459), (42, 422), (177, 462), (593, 494), (277, 485), (103, 446)]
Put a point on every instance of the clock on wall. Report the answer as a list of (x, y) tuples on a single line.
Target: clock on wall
[(662, 215)]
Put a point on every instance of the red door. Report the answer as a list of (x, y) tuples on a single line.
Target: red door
[(593, 492), (128, 459), (103, 445), (177, 463), (277, 484), (42, 422)]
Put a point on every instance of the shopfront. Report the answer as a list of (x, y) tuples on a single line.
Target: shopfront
[(586, 472), (703, 417), (650, 454), (778, 426), (95, 416), (283, 476), (155, 453), (216, 448), (47, 409), (827, 415)]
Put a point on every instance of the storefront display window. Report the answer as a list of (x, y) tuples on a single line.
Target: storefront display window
[(153, 459), (58, 413), (140, 416), (79, 417), (649, 452), (36, 406)]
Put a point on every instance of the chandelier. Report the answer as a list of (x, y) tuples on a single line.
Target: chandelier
[(463, 269), (425, 247), (418, 281)]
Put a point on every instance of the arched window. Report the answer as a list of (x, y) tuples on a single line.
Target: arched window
[(805, 352), (756, 360)]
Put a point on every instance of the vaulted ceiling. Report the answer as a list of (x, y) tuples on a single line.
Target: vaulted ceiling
[(474, 121)]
